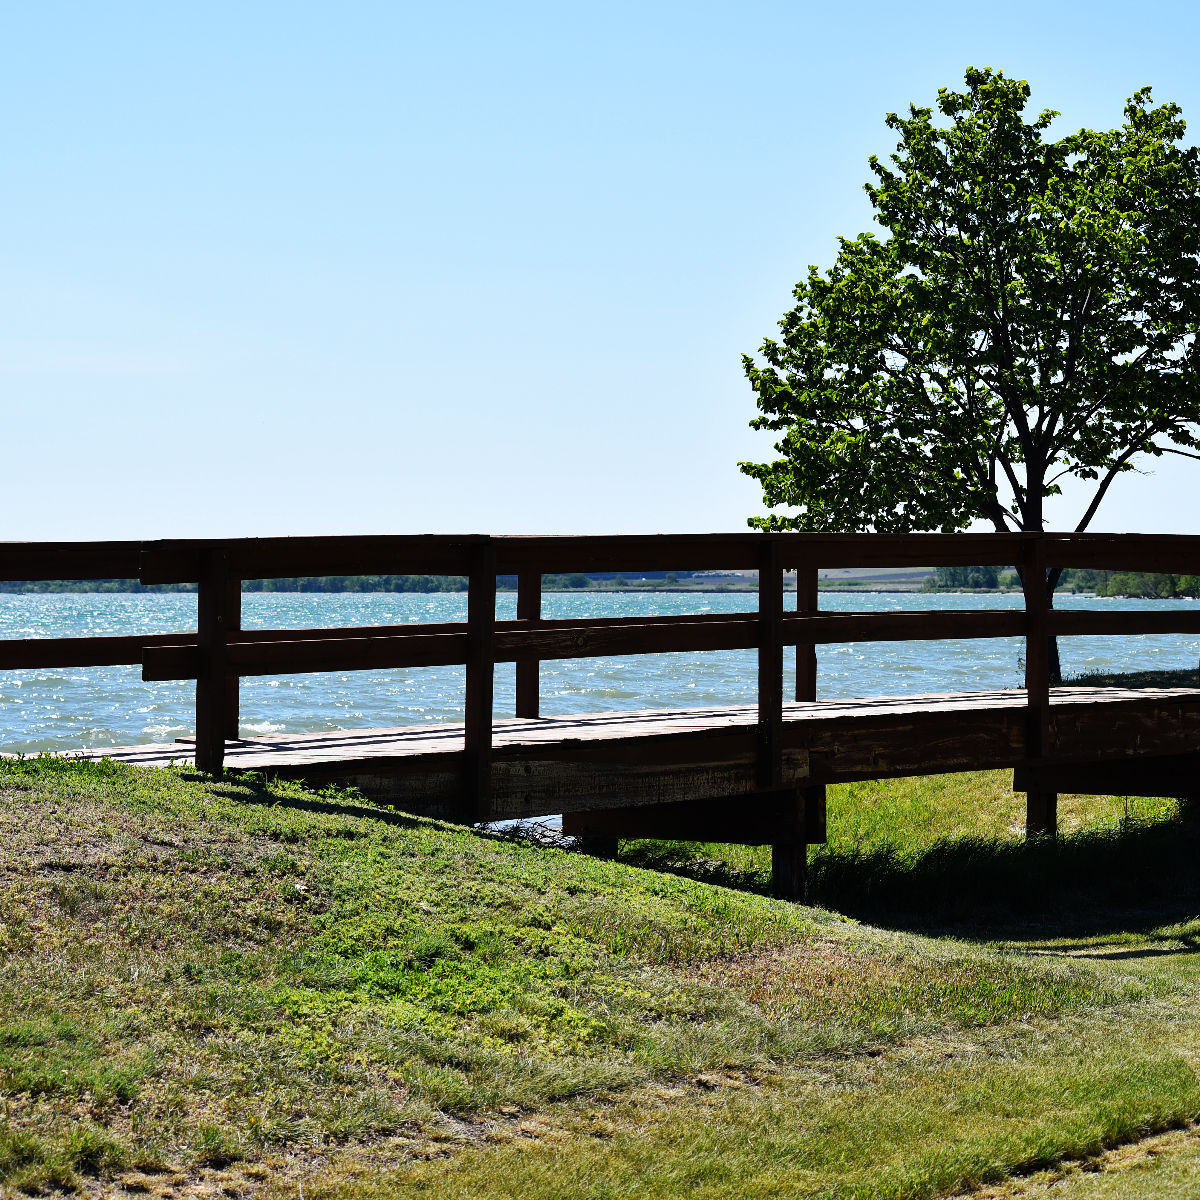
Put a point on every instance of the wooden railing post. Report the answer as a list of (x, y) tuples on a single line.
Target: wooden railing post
[(807, 600), (806, 655), (212, 617), (481, 633), (529, 608), (233, 728), (789, 858), (769, 765), (1041, 808)]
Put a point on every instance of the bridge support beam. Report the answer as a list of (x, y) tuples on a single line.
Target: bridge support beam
[(789, 871), (1041, 813), (789, 820), (1175, 775)]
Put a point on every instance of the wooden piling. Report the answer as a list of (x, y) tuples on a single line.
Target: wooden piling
[(769, 771), (807, 601), (481, 633), (212, 616), (233, 688), (806, 655), (529, 608), (1041, 807), (788, 857)]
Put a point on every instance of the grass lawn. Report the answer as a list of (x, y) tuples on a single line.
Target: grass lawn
[(226, 987)]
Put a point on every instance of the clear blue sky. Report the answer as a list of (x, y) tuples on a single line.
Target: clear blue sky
[(361, 267)]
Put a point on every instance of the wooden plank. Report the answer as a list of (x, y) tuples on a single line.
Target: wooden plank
[(756, 819), (1159, 721), (1164, 775), (928, 625), (212, 617), (265, 652), (289, 658), (22, 654), (770, 666), (901, 550), (695, 552), (1168, 553), (896, 744), (1076, 622), (41, 561), (178, 561), (480, 662), (600, 638), (529, 609), (529, 786), (628, 553)]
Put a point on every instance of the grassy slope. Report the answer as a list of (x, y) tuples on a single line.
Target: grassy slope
[(216, 984)]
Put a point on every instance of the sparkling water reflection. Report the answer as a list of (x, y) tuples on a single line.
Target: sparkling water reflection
[(105, 706)]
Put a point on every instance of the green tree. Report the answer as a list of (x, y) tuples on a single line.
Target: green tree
[(1031, 314), (969, 577)]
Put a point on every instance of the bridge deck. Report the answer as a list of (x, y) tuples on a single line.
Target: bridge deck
[(618, 759)]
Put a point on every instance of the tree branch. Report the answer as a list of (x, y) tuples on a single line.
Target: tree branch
[(1181, 453), (1125, 456)]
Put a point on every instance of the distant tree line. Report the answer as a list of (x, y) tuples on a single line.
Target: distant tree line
[(1135, 584), (337, 583), (320, 583), (986, 578), (1141, 585)]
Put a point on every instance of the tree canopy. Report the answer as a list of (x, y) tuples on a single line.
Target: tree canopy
[(1031, 314)]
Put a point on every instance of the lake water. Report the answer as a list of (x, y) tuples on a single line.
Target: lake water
[(89, 707)]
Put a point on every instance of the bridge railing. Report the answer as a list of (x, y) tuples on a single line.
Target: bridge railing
[(219, 651)]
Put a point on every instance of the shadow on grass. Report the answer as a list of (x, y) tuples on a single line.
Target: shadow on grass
[(1088, 882), (687, 858), (251, 788), (1091, 882)]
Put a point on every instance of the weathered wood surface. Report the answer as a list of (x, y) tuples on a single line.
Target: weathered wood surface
[(264, 558), (446, 645), (26, 654), (762, 819), (212, 612), (179, 561), (1157, 775), (596, 761), (1074, 622), (36, 561)]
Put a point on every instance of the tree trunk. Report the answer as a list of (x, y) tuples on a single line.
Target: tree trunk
[(1053, 664)]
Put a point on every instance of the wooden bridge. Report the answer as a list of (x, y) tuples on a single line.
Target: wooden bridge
[(750, 774)]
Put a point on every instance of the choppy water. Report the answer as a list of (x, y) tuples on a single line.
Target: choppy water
[(104, 706)]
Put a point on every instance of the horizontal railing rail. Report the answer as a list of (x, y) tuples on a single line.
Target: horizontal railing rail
[(552, 640), (173, 562), (295, 651), (219, 652)]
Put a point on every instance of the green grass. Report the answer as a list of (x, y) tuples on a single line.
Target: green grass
[(950, 848), (1133, 679), (225, 984)]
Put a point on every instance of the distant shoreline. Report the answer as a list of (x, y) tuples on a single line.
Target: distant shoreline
[(450, 585), (57, 587)]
